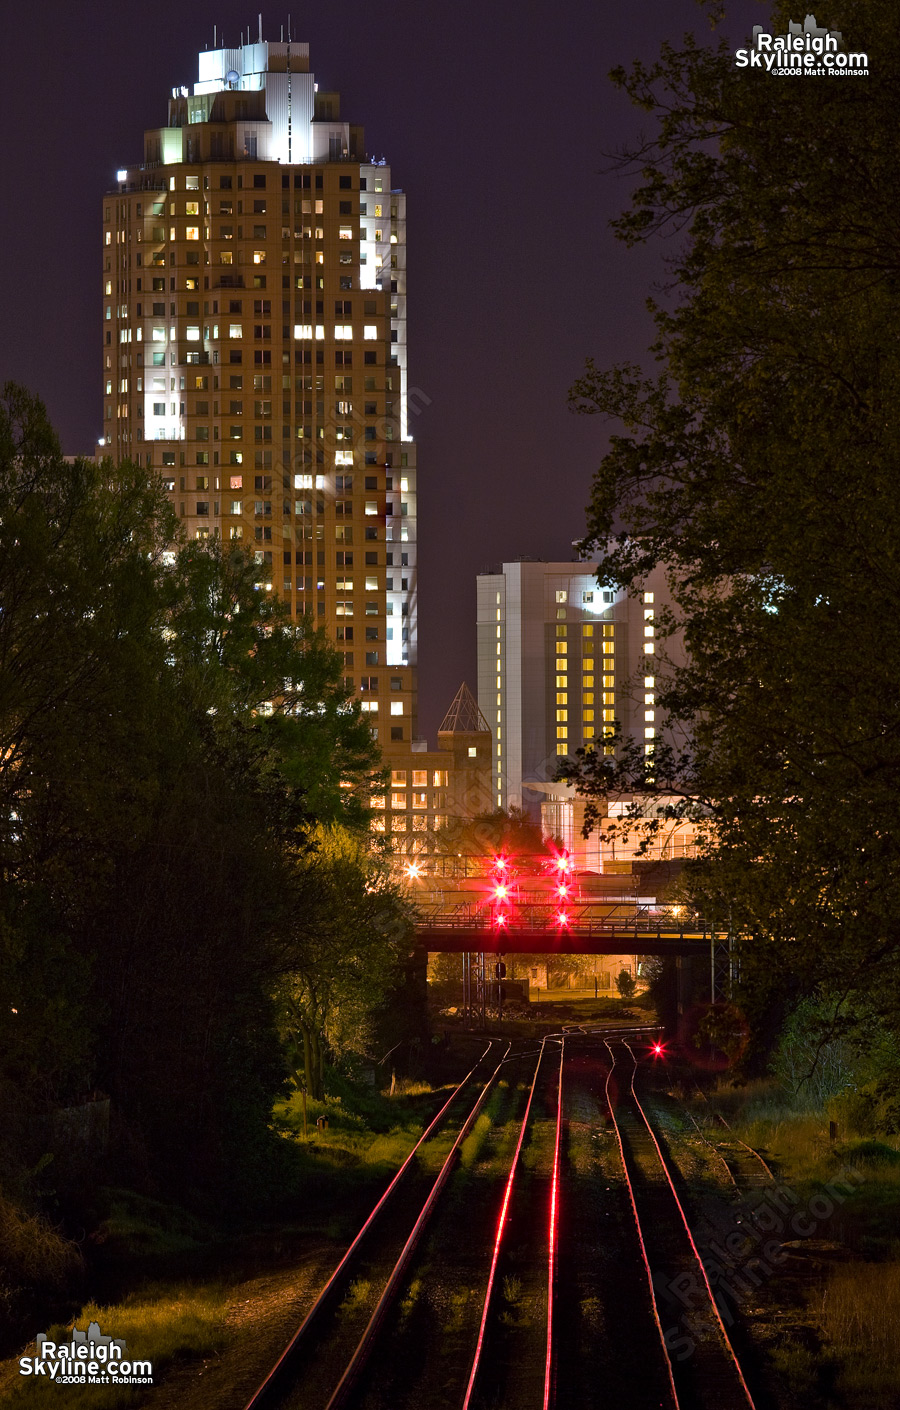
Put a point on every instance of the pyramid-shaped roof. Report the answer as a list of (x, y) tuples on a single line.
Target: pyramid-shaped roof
[(464, 716)]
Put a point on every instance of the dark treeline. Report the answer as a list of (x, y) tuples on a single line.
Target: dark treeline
[(760, 467), (184, 786)]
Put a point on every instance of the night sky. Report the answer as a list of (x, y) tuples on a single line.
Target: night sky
[(495, 118)]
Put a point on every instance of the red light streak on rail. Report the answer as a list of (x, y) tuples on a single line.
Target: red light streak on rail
[(507, 1195), (637, 1224), (554, 1231), (687, 1229)]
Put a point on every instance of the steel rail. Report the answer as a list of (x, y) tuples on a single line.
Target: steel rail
[(719, 1117), (666, 1171), (640, 1232), (265, 1390), (554, 1235), (501, 1227), (364, 1346)]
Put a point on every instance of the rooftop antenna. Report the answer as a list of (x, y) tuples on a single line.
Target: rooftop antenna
[(260, 27), (289, 29)]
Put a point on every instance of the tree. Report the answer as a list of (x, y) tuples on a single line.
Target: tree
[(625, 984), (760, 468), (173, 745), (349, 929)]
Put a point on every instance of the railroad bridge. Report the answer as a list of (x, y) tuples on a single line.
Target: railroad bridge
[(585, 931)]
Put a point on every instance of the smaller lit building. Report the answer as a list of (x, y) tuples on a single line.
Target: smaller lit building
[(430, 788), (560, 661)]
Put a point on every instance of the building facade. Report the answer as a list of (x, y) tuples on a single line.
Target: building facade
[(254, 352), (560, 660)]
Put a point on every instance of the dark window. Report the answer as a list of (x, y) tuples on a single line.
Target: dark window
[(345, 183), (259, 181)]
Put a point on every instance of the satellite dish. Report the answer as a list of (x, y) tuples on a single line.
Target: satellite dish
[(232, 78)]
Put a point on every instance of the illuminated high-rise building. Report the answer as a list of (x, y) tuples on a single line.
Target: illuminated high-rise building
[(254, 351), (560, 662)]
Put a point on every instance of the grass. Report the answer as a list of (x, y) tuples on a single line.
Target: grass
[(31, 1250), (160, 1324), (859, 1315), (856, 1310)]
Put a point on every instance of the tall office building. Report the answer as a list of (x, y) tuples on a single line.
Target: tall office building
[(560, 660), (254, 351)]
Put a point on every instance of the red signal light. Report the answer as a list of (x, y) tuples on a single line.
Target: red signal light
[(501, 919), (562, 889), (562, 918), (501, 891), (500, 863), (658, 1049)]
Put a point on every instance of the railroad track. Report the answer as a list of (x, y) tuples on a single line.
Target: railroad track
[(521, 1277), (703, 1368), (313, 1370)]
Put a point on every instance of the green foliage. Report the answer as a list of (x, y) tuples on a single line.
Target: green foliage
[(349, 927), (625, 984), (759, 468), (173, 747)]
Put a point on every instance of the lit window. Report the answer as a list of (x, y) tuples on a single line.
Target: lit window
[(561, 595), (398, 800), (473, 752), (648, 596), (562, 715), (236, 506), (649, 648), (587, 698), (398, 777), (587, 597), (649, 716), (237, 532), (561, 648), (259, 256), (439, 778), (588, 714), (371, 506), (193, 333), (370, 331), (302, 330), (562, 697), (561, 732), (343, 330), (650, 698), (587, 682), (649, 733), (192, 232), (345, 232)]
